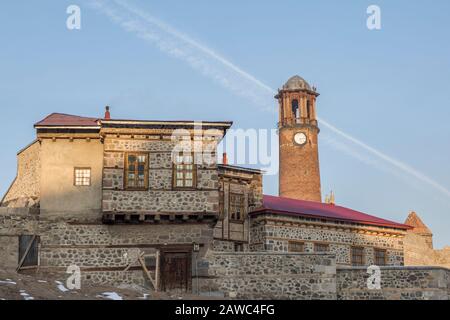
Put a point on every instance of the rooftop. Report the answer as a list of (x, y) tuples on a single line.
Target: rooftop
[(67, 120), (292, 207)]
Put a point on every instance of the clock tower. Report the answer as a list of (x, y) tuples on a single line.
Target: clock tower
[(299, 174)]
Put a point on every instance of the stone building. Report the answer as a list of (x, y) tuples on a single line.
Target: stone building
[(99, 192)]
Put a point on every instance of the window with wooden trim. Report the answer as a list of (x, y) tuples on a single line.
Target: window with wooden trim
[(321, 247), (296, 246), (236, 206), (136, 171), (82, 177), (184, 172), (357, 254), (380, 257)]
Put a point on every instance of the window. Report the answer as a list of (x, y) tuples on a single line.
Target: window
[(295, 246), (238, 247), (184, 172), (357, 256), (236, 206), (321, 247), (295, 109), (82, 177), (308, 109), (380, 257), (136, 171)]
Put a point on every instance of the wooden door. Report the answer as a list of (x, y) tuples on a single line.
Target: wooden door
[(31, 243), (175, 271)]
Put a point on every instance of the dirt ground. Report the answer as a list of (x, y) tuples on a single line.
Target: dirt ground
[(29, 286)]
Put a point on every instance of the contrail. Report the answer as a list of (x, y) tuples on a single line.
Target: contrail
[(214, 65)]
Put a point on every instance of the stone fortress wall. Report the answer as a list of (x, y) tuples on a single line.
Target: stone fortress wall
[(25, 189)]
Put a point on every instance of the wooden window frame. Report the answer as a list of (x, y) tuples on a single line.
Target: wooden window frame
[(194, 175), (352, 255), (146, 173), (242, 217), (324, 244), (75, 169), (290, 243), (375, 259)]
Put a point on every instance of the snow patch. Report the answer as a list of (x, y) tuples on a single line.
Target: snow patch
[(61, 287), (110, 295), (25, 295), (7, 281)]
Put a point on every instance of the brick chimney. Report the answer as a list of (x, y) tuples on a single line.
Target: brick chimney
[(107, 113), (224, 158)]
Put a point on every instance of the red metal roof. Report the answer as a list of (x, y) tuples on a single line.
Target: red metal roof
[(61, 119), (292, 207)]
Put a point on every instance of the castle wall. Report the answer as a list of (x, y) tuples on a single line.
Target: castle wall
[(270, 276), (273, 233), (397, 283), (25, 190), (418, 252)]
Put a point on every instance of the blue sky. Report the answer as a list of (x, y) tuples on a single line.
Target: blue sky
[(389, 88)]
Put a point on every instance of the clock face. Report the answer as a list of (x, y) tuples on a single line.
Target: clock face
[(300, 138)]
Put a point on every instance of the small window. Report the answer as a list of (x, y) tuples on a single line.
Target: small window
[(308, 109), (295, 246), (184, 172), (136, 171), (321, 247), (82, 177), (380, 257), (236, 206), (238, 247), (295, 109), (357, 256)]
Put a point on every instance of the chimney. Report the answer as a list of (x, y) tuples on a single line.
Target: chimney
[(107, 113), (224, 158)]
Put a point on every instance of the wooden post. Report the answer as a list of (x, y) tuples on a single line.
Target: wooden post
[(157, 271)]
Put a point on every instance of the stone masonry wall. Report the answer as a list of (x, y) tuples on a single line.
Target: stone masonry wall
[(418, 252), (271, 276), (274, 236), (101, 251), (25, 190), (161, 196), (397, 283)]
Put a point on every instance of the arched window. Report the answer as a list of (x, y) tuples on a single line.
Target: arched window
[(308, 109), (295, 110)]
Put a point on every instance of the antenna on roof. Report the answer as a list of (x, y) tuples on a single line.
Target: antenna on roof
[(107, 113)]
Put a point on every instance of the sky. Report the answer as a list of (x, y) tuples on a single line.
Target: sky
[(387, 91)]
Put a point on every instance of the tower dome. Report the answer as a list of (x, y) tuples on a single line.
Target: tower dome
[(296, 83)]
